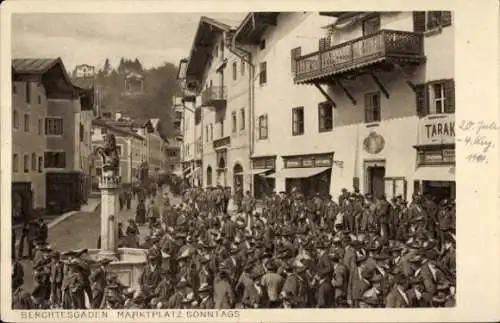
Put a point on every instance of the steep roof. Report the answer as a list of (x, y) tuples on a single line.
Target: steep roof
[(49, 70), (84, 82), (34, 65), (202, 47)]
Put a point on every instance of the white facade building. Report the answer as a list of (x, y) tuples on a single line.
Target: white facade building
[(356, 114), (219, 78)]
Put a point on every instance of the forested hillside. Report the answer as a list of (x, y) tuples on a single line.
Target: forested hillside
[(160, 85)]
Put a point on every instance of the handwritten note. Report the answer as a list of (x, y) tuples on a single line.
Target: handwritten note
[(478, 137)]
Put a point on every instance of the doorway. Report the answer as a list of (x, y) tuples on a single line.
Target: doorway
[(374, 177), (237, 177), (440, 190), (376, 185)]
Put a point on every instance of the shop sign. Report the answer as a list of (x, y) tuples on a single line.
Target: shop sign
[(437, 129), (320, 160), (324, 162), (292, 163), (307, 163), (262, 163)]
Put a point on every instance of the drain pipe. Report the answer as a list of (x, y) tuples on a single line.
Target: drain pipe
[(246, 56)]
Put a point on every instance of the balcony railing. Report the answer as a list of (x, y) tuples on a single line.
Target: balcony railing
[(213, 95), (222, 142), (357, 53)]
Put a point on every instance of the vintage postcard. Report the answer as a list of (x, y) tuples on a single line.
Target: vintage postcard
[(249, 162)]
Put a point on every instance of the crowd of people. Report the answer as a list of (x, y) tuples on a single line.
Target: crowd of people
[(293, 252)]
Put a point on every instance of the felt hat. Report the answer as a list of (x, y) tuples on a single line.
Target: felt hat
[(104, 261), (205, 287), (257, 273)]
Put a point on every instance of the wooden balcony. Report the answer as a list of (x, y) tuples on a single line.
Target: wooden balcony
[(222, 142), (215, 96), (355, 56)]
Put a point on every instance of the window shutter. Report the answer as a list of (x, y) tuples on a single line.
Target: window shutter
[(267, 127), (320, 114), (422, 103), (367, 108), (419, 21), (449, 94), (294, 55), (446, 18)]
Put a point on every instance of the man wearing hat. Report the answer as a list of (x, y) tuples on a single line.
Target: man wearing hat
[(398, 296), (272, 283), (165, 288), (340, 279), (324, 261), (151, 274), (429, 272), (74, 294), (21, 299), (41, 290), (255, 295), (175, 301), (56, 279), (372, 297), (206, 299), (229, 228), (223, 292), (98, 282), (358, 282), (324, 292)]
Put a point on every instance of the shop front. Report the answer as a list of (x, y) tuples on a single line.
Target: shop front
[(308, 174), (221, 178), (435, 173), (262, 184)]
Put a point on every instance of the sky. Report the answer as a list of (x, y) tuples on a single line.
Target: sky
[(154, 38)]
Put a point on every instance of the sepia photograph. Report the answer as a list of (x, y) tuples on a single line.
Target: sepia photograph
[(248, 160)]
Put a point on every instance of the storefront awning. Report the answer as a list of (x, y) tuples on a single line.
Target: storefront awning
[(435, 173), (298, 172), (259, 171)]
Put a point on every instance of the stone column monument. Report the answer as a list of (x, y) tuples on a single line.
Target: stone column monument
[(109, 186), (127, 263)]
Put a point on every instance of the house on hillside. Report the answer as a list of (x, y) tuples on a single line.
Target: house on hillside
[(134, 84), (51, 138)]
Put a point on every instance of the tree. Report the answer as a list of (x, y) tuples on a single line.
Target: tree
[(107, 67), (160, 84)]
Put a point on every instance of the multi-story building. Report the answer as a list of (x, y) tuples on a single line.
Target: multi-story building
[(84, 71), (53, 144), (220, 78), (173, 148), (131, 149), (357, 100), (147, 128), (84, 76), (156, 147), (191, 126)]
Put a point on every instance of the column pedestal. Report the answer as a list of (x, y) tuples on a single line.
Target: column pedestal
[(109, 186)]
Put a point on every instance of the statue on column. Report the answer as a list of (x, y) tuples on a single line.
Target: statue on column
[(110, 156)]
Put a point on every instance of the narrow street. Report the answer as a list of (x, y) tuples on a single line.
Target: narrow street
[(82, 231)]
